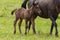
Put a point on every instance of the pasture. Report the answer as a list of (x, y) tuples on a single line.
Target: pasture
[(42, 25)]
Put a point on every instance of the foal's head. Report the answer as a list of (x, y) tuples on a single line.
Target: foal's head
[(36, 9)]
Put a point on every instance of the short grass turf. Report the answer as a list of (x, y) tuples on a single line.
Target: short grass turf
[(42, 25)]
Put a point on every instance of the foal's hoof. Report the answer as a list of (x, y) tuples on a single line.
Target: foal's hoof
[(20, 32), (34, 33), (25, 33)]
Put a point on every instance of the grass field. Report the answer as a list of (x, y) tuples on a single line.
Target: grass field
[(6, 24)]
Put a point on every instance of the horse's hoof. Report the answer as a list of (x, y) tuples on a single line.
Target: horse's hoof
[(14, 32), (56, 35), (50, 34), (34, 33)]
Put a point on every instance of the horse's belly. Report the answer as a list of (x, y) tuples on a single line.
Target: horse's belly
[(44, 16)]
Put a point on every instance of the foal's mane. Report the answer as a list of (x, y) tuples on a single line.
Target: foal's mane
[(30, 10)]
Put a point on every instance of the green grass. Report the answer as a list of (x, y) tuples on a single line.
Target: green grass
[(6, 24)]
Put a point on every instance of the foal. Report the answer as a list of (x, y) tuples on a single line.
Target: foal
[(27, 15)]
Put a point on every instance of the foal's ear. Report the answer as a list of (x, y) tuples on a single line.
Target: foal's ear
[(35, 3)]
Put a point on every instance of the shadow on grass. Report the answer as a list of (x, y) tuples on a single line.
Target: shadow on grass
[(59, 17), (3, 15), (42, 34)]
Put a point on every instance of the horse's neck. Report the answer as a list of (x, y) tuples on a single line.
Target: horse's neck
[(30, 9)]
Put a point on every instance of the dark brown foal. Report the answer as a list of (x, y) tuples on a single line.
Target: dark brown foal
[(27, 15)]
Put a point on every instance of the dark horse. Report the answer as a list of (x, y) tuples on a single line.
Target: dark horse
[(50, 9)]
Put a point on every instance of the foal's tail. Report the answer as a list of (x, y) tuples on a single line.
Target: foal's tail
[(13, 11)]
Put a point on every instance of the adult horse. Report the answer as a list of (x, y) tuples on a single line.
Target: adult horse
[(50, 9)]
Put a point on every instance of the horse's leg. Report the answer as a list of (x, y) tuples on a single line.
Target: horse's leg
[(30, 3), (51, 29), (24, 4), (26, 27), (15, 25), (56, 30), (33, 26), (53, 24), (19, 24), (56, 27)]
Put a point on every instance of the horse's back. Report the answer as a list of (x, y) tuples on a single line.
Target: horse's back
[(45, 6)]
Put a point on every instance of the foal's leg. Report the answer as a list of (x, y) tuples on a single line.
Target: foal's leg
[(26, 27), (19, 24), (30, 23), (33, 26), (15, 25), (29, 26)]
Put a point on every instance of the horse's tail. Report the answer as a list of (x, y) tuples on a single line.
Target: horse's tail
[(24, 4), (13, 11)]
